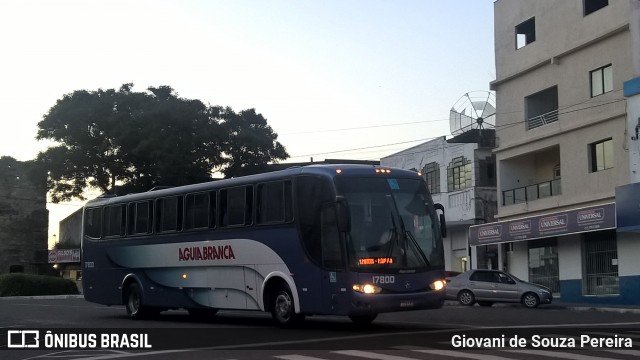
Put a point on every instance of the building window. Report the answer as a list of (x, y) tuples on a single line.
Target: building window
[(601, 80), (541, 108), (459, 174), (431, 173), (594, 5), (600, 263), (526, 33), (543, 264), (601, 154)]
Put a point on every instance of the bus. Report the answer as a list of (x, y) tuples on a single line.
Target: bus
[(352, 240)]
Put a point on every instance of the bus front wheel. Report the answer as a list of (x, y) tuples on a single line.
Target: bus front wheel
[(283, 309), (133, 303)]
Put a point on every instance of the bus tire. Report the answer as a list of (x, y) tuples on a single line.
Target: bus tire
[(134, 304), (283, 308)]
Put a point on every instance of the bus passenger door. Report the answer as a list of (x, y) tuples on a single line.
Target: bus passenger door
[(333, 275)]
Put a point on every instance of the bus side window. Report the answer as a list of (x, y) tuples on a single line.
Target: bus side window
[(92, 222), (197, 207), (114, 220), (310, 193), (169, 214), (273, 202), (236, 206), (140, 218), (331, 249)]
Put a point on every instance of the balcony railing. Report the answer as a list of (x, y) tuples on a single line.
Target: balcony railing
[(543, 119), (531, 192)]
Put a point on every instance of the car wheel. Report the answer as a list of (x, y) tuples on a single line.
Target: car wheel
[(466, 298), (283, 309), (530, 300), (485, 303)]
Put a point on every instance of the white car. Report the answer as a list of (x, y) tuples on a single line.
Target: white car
[(487, 287)]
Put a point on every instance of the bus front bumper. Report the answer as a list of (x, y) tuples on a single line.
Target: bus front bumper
[(380, 303)]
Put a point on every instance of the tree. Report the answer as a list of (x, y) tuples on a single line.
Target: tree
[(251, 143), (133, 141)]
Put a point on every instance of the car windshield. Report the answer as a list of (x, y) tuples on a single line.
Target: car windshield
[(392, 225)]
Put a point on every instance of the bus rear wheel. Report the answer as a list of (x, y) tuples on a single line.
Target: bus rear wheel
[(134, 304), (283, 309)]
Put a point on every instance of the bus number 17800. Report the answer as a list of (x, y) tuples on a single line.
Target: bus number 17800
[(384, 279)]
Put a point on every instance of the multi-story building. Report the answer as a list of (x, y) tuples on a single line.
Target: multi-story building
[(24, 217), (461, 177), (562, 148)]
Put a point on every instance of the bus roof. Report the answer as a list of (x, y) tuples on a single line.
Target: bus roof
[(328, 170)]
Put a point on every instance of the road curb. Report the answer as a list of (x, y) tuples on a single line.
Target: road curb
[(42, 297), (561, 306)]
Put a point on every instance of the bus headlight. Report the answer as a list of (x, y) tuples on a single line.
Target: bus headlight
[(367, 288), (437, 285)]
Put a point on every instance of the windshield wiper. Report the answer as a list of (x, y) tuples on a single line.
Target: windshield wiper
[(413, 240)]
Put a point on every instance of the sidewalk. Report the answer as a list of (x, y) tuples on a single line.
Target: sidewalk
[(630, 309)]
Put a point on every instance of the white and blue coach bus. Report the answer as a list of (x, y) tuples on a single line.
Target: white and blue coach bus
[(354, 240)]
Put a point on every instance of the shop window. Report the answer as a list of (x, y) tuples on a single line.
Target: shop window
[(543, 264), (600, 263)]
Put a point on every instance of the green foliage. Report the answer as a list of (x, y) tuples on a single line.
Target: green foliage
[(34, 285), (139, 140)]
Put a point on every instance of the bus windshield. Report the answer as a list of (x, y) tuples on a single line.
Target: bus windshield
[(393, 225)]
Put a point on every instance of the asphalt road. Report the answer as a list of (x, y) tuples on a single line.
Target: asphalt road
[(251, 335)]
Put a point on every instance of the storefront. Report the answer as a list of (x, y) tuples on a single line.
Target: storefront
[(577, 253)]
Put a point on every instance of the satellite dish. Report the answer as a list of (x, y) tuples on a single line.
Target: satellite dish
[(474, 110)]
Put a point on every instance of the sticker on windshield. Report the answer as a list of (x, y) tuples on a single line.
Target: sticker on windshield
[(393, 184)]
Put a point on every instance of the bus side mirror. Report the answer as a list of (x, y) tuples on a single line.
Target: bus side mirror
[(443, 223), (343, 215)]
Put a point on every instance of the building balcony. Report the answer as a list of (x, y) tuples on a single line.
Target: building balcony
[(531, 192), (543, 119)]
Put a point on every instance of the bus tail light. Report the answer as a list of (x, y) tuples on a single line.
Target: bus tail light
[(438, 285), (367, 288)]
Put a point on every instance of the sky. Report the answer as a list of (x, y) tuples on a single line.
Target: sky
[(337, 79)]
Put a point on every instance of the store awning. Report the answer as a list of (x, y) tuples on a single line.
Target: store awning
[(628, 207), (592, 218)]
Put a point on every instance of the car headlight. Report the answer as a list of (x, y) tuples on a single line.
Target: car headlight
[(544, 291), (438, 285), (367, 288)]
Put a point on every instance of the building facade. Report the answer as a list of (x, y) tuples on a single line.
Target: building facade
[(24, 218), (461, 177), (563, 148)]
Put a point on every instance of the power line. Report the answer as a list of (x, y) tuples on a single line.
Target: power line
[(362, 127), (497, 127)]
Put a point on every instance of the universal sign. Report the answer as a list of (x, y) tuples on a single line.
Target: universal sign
[(593, 218)]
